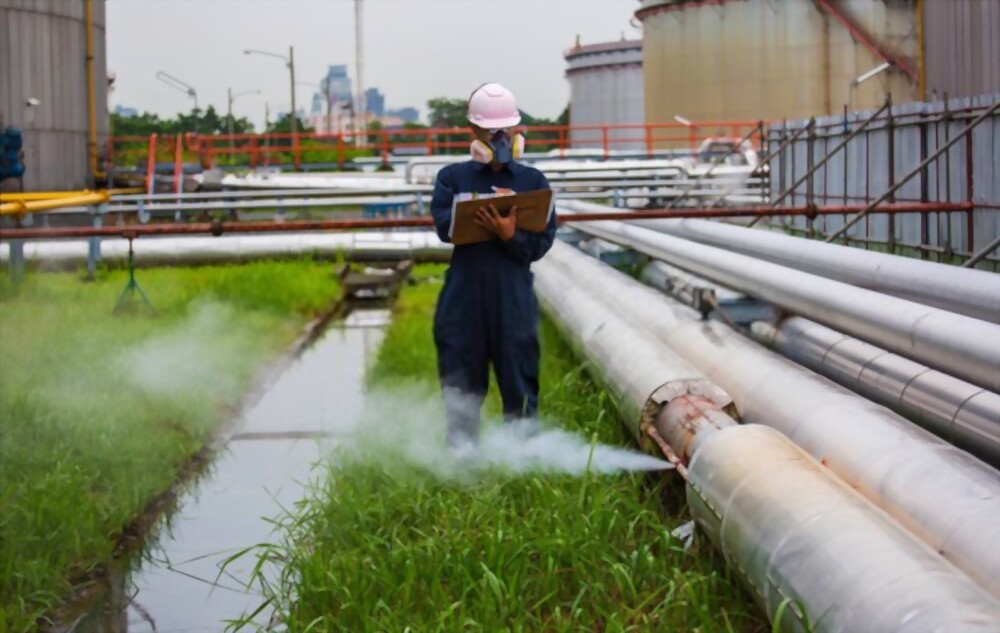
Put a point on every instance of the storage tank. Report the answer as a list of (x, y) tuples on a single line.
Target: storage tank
[(960, 47), (764, 59), (606, 88), (43, 57)]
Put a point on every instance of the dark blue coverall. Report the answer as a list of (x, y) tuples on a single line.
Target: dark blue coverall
[(487, 312)]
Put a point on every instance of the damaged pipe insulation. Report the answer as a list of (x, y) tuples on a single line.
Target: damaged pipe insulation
[(974, 293), (787, 526), (963, 414), (959, 412), (946, 497), (960, 345), (187, 251)]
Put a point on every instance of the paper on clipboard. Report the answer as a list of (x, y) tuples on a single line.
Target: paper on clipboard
[(534, 211)]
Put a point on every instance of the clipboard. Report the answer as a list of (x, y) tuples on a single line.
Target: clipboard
[(534, 209)]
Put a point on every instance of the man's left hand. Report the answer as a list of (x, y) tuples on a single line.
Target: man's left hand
[(490, 219)]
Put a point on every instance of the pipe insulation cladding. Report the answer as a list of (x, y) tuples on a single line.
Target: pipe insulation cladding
[(946, 497), (188, 251), (797, 534), (957, 344), (974, 293), (959, 412), (787, 526)]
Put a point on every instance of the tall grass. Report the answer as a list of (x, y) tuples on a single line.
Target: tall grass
[(98, 413), (385, 545)]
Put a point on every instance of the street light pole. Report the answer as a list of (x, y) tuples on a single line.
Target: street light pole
[(229, 111), (177, 84), (290, 64)]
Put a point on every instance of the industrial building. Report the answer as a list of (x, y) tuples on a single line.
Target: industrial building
[(53, 86)]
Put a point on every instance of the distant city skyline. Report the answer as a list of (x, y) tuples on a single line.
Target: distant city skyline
[(415, 50)]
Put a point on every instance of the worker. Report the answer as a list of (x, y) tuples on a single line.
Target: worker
[(487, 313)]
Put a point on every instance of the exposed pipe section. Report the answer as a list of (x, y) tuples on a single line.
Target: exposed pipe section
[(974, 293), (944, 496), (788, 528), (962, 346), (966, 415)]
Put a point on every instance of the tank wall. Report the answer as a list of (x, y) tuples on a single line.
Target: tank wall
[(43, 56), (756, 59)]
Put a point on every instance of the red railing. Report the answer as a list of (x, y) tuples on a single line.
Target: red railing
[(285, 149)]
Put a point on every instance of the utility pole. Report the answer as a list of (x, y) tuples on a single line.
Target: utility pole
[(230, 120), (291, 72), (360, 115), (229, 117), (267, 133)]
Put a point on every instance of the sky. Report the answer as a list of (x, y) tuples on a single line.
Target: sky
[(414, 50)]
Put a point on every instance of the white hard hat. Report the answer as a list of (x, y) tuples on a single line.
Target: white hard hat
[(492, 106)]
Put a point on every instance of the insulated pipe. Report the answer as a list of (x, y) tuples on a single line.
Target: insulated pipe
[(974, 293), (627, 361), (944, 496), (963, 346), (964, 414), (799, 537), (786, 525), (187, 251)]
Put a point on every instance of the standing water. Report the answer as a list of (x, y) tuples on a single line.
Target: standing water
[(263, 469)]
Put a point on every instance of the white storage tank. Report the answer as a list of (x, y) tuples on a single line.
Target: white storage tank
[(606, 88)]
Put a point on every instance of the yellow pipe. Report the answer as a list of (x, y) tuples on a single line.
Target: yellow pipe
[(30, 196), (95, 164), (39, 206)]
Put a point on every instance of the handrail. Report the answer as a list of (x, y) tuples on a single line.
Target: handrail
[(382, 142)]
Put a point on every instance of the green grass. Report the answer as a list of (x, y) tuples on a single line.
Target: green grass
[(97, 413), (385, 545)]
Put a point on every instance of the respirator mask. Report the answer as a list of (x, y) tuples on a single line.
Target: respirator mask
[(501, 146)]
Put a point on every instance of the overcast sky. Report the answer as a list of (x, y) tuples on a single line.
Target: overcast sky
[(414, 49)]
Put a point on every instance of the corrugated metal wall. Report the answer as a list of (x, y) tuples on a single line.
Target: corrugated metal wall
[(862, 173), (753, 59), (606, 88), (962, 47), (42, 55)]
